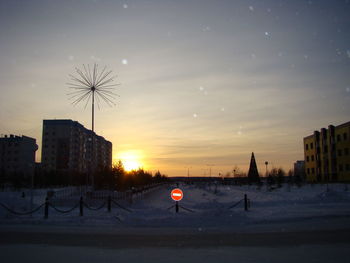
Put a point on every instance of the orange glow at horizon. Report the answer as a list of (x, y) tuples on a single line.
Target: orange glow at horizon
[(132, 160)]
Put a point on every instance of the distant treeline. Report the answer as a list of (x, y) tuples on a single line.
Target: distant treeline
[(116, 178), (278, 176)]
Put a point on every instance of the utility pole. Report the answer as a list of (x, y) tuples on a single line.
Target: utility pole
[(210, 165)]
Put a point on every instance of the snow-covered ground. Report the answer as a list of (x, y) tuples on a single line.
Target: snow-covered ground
[(283, 209), (307, 224)]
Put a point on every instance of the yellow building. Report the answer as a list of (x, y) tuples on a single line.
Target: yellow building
[(326, 154)]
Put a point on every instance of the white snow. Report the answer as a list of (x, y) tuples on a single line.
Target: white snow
[(208, 232), (202, 208)]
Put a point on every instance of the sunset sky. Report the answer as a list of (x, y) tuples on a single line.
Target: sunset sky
[(203, 83)]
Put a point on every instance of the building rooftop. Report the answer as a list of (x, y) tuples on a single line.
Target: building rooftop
[(338, 126), (70, 122), (16, 137)]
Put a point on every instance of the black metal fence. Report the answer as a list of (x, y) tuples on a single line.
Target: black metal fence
[(83, 198)]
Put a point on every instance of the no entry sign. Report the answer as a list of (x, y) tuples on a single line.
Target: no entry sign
[(177, 194)]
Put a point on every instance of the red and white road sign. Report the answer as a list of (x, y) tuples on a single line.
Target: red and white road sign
[(177, 194)]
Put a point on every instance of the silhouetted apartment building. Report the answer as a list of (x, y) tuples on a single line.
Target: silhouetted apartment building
[(66, 146), (327, 155), (17, 155)]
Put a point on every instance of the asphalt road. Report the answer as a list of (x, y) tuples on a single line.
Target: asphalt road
[(55, 245), (160, 238)]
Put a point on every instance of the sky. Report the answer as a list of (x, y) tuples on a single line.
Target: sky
[(203, 84)]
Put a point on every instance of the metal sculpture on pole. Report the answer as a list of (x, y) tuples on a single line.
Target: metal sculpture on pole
[(90, 83)]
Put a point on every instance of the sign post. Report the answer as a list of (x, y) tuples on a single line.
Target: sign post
[(177, 195)]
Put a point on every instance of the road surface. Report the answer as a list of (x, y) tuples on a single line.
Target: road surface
[(50, 244)]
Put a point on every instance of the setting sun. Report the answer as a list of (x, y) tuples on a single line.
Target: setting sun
[(131, 160)]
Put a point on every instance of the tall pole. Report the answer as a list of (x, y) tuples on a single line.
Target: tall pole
[(210, 165), (188, 175), (93, 107), (267, 180), (87, 83), (92, 137)]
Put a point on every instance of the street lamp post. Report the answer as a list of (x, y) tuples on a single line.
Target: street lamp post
[(188, 173), (266, 163)]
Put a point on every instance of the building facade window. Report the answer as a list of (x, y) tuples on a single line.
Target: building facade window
[(333, 147), (325, 149), (308, 170), (345, 136), (311, 145), (346, 151), (339, 152), (307, 158), (347, 167), (340, 167), (307, 147), (313, 170), (338, 138), (312, 158)]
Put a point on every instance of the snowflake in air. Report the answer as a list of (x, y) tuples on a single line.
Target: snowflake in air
[(240, 132)]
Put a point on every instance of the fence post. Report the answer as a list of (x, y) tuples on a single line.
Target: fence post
[(177, 207), (46, 216), (245, 202), (81, 206), (109, 203)]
